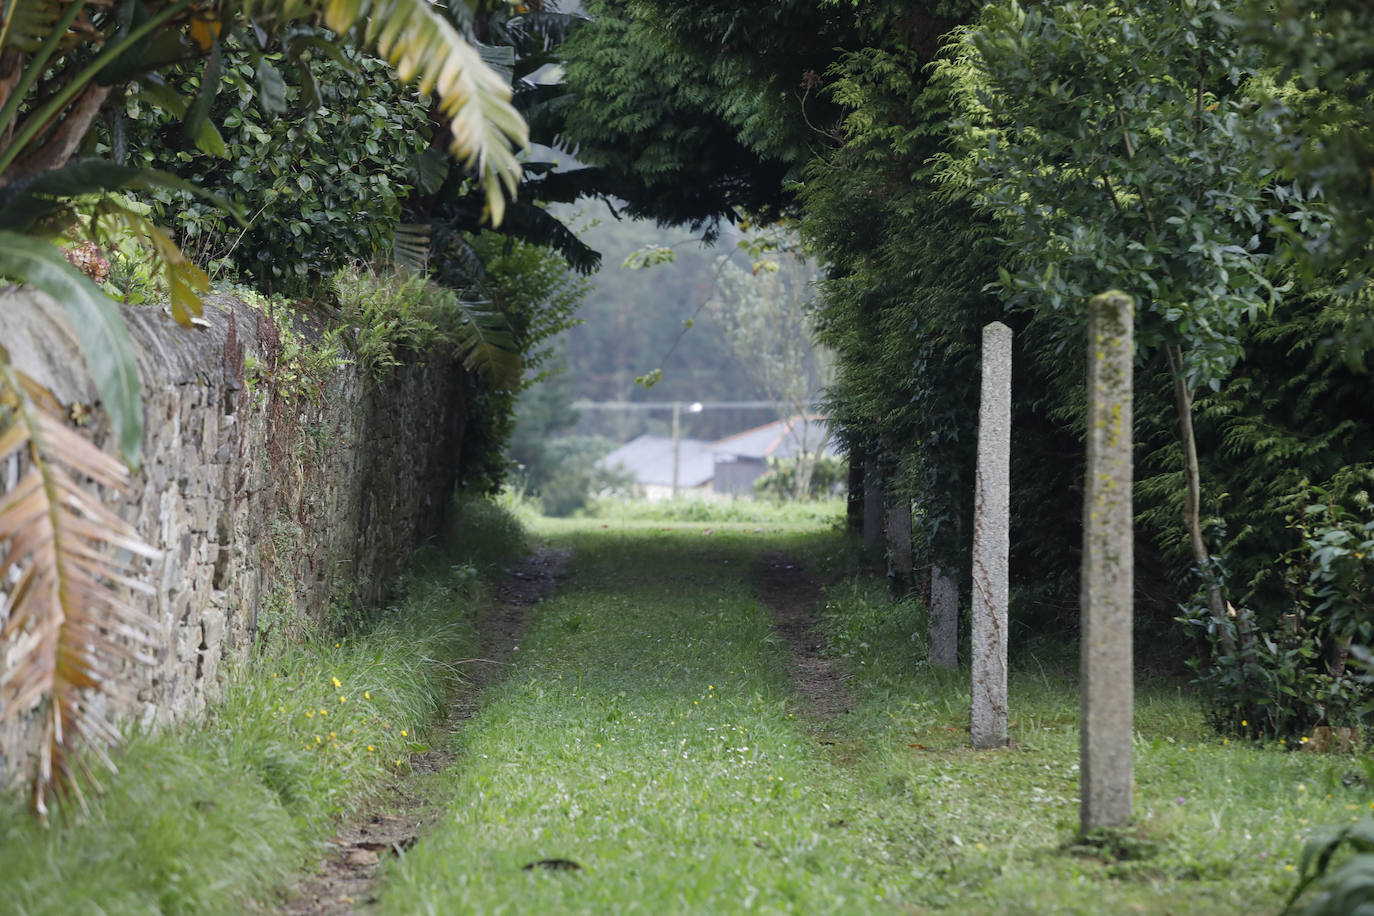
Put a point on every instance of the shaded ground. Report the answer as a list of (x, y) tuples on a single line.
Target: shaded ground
[(793, 596), (401, 813)]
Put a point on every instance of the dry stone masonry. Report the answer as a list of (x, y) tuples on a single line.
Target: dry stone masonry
[(268, 503), (991, 543), (1107, 696)]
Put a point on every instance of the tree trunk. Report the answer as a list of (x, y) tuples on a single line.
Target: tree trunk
[(1192, 517), (901, 565), (854, 498), (66, 137), (873, 507)]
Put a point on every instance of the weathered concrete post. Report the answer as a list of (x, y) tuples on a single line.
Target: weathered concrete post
[(991, 542), (1107, 692), (944, 617)]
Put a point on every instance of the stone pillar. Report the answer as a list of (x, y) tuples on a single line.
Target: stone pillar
[(1107, 690), (873, 506), (900, 564), (991, 541), (944, 617)]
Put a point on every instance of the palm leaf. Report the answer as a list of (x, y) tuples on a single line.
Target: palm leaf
[(26, 24), (486, 345), (184, 279), (99, 330), (26, 203), (420, 43), (425, 47), (69, 629), (410, 246)]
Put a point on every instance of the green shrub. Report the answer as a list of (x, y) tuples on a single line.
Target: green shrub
[(391, 312), (1284, 678), (321, 184), (537, 294), (1348, 886), (567, 478), (829, 475), (483, 532)]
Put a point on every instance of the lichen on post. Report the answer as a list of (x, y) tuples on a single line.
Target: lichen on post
[(1107, 692)]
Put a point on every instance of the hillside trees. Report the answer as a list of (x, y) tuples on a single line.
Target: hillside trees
[(767, 315)]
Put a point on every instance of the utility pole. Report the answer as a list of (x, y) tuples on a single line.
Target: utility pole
[(677, 439), (694, 407)]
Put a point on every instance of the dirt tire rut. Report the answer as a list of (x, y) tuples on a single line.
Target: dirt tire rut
[(345, 881)]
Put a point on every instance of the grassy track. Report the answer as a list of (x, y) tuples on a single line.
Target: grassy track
[(648, 734)]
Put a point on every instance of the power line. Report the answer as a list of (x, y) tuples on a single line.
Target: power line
[(668, 405)]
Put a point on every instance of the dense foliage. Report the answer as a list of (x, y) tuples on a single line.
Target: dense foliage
[(1211, 158), (320, 171)]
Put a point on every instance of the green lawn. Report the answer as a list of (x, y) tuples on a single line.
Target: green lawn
[(648, 734)]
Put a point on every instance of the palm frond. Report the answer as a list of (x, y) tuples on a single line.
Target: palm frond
[(425, 47), (486, 345), (185, 281), (69, 628), (98, 325), (25, 24), (410, 246)]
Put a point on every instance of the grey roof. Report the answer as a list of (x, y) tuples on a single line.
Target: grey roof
[(649, 459), (777, 440)]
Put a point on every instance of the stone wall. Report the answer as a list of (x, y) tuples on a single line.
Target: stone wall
[(270, 496)]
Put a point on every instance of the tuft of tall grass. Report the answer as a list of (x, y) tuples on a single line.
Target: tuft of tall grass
[(485, 532)]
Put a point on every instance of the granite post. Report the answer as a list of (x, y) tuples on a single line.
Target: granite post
[(1107, 691), (991, 542)]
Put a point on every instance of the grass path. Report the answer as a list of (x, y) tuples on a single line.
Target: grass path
[(648, 742)]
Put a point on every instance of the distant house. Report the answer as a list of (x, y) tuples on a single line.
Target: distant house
[(649, 460), (742, 458), (728, 466)]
